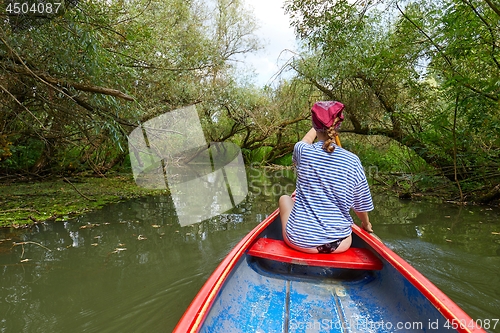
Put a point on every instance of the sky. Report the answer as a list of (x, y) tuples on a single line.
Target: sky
[(275, 35)]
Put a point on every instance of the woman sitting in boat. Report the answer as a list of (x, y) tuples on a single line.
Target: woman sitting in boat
[(330, 181)]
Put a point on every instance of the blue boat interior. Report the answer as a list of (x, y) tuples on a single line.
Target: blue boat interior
[(265, 296)]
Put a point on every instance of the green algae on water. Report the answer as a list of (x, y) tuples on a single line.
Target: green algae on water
[(25, 203)]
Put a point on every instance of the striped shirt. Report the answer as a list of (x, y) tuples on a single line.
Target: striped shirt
[(328, 186)]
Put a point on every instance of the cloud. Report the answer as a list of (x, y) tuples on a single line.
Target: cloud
[(275, 34)]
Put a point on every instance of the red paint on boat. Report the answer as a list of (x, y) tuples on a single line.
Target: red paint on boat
[(194, 316), (449, 309), (199, 307), (353, 258)]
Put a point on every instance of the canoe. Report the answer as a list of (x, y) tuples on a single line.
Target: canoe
[(264, 286)]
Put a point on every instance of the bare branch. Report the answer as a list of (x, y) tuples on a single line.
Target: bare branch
[(74, 187), (493, 7), (29, 242), (67, 84), (22, 105)]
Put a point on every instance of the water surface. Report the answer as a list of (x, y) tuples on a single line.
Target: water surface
[(130, 267)]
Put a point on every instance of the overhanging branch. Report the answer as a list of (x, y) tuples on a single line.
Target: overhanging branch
[(65, 83)]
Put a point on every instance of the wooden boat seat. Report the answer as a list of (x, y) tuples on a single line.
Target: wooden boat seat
[(353, 258)]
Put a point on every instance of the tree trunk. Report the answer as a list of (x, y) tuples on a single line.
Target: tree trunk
[(493, 194)]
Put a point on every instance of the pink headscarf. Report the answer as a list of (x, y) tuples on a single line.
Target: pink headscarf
[(324, 114)]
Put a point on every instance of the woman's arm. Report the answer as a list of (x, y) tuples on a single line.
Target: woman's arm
[(310, 136)]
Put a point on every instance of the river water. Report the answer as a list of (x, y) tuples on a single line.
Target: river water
[(130, 267)]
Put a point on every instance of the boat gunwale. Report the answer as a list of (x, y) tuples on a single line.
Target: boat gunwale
[(201, 304), (197, 311), (445, 305)]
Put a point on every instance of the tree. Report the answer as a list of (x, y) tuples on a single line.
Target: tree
[(411, 73), (76, 85)]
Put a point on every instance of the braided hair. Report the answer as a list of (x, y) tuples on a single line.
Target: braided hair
[(329, 144)]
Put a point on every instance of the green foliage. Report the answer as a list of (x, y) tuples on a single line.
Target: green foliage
[(383, 155), (81, 81), (259, 155), (5, 146), (285, 160), (424, 74), (23, 156)]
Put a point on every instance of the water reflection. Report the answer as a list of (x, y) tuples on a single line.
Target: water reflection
[(471, 229), (130, 267)]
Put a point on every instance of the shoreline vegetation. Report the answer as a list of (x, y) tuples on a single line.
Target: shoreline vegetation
[(420, 114), (29, 202)]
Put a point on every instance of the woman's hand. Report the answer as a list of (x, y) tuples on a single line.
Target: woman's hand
[(365, 221), (367, 226)]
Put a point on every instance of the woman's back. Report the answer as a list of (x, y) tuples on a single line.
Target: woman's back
[(328, 186), (330, 181)]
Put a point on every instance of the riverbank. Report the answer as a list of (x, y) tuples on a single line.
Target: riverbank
[(26, 203)]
